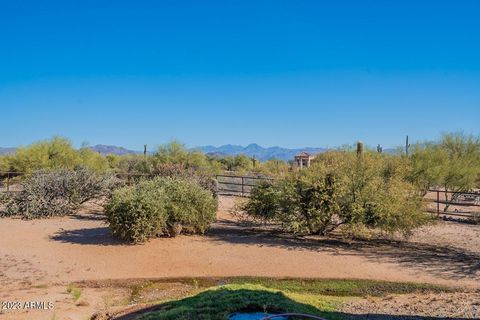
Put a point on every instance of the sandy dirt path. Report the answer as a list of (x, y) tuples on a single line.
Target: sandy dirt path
[(80, 248)]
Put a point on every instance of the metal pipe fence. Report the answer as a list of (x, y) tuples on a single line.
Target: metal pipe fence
[(238, 185), (10, 181), (450, 203)]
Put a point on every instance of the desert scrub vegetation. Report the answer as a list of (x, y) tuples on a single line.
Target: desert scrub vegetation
[(75, 291), (56, 193), (56, 153), (59, 153), (180, 171), (359, 193), (162, 206), (450, 164)]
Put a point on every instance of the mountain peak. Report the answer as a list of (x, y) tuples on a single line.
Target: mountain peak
[(253, 145), (108, 149)]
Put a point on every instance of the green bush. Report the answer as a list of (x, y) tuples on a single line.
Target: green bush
[(299, 205), (56, 193), (137, 213), (54, 154), (179, 171), (359, 193), (451, 164), (171, 160), (160, 207), (175, 153)]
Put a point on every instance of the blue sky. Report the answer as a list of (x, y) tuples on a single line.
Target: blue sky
[(289, 73)]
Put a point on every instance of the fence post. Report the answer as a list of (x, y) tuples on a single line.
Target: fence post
[(438, 202), (8, 182), (242, 188)]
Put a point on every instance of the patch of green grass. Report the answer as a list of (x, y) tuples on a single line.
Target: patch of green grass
[(313, 296), (343, 287), (75, 291), (219, 302)]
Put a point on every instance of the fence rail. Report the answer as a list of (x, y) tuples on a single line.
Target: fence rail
[(9, 181), (238, 185), (449, 203)]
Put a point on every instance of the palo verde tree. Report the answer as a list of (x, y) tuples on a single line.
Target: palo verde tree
[(56, 153), (452, 164), (176, 154), (274, 167)]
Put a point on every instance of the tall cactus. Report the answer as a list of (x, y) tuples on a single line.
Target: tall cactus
[(407, 147), (359, 148)]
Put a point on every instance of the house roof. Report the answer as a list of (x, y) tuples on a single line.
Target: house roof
[(303, 154)]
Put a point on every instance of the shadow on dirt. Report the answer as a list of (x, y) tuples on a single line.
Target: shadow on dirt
[(445, 261), (448, 262), (87, 236), (90, 217)]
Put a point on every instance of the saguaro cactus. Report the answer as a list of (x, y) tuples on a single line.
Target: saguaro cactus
[(359, 148), (407, 147)]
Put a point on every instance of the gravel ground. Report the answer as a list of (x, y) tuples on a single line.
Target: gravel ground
[(417, 306)]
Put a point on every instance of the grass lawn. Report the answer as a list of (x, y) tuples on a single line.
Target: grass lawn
[(318, 297)]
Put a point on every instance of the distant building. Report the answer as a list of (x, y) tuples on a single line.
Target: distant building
[(303, 159)]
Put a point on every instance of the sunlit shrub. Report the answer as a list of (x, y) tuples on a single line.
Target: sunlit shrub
[(341, 189), (57, 192), (160, 207)]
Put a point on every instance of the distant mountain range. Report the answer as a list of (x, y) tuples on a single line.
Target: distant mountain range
[(100, 148), (259, 152), (4, 151), (106, 149), (252, 150)]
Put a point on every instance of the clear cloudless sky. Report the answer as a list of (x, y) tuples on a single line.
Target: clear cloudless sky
[(290, 73)]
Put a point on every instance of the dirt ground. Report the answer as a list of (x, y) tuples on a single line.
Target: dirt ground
[(418, 306), (38, 259)]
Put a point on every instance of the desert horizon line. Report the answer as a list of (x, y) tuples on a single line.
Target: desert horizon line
[(153, 147)]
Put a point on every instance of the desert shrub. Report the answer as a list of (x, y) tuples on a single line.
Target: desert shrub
[(57, 193), (180, 171), (274, 168), (301, 206), (341, 189), (452, 164), (92, 160), (160, 207), (133, 164), (190, 206), (175, 153), (263, 204), (137, 213), (4, 164), (241, 163), (171, 160)]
